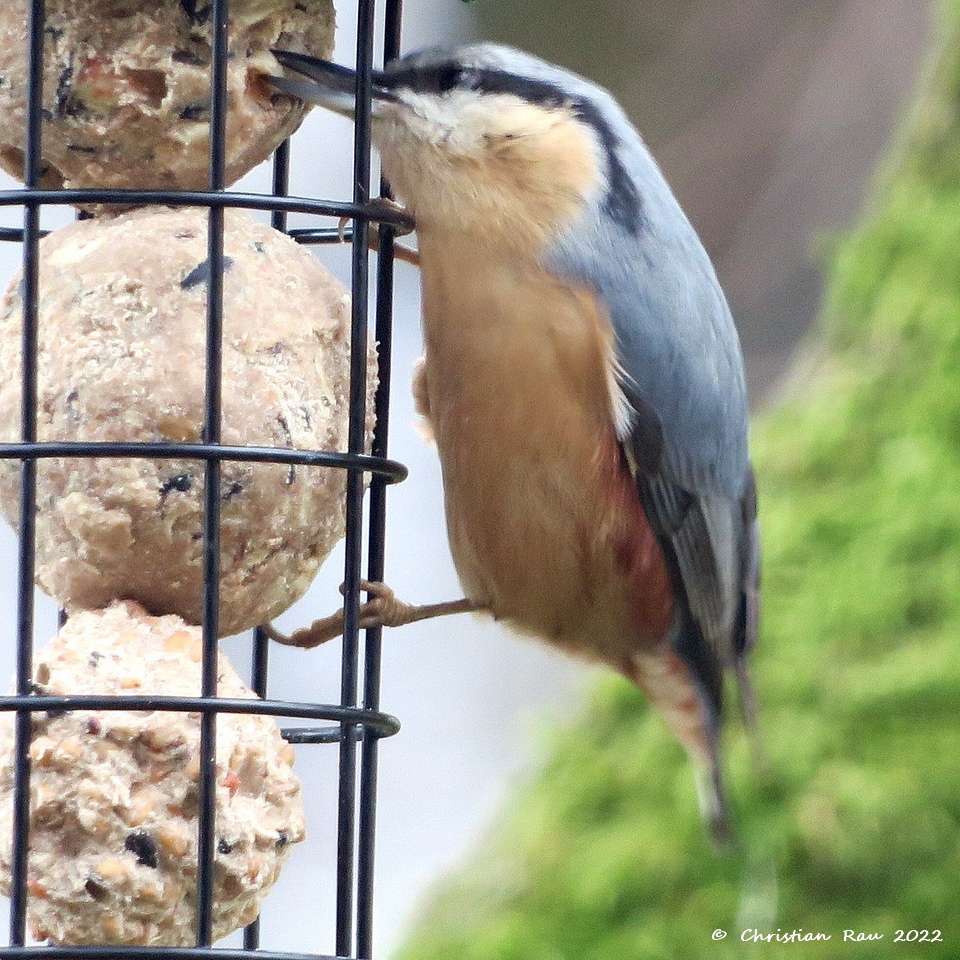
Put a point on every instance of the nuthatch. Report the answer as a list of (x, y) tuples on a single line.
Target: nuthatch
[(583, 376)]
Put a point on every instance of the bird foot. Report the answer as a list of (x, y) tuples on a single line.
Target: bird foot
[(400, 251), (383, 609)]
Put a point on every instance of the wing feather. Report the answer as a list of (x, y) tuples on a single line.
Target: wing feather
[(678, 365)]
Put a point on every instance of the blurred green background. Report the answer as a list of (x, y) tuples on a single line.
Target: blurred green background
[(854, 822)]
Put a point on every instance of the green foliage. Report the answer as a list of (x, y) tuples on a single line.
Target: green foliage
[(854, 820)]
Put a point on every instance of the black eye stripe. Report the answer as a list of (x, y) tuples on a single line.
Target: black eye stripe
[(448, 78), (445, 77), (439, 79)]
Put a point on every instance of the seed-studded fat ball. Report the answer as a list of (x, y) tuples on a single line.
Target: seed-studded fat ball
[(126, 88), (122, 318), (114, 794)]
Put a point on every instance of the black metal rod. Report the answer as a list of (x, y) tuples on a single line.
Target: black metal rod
[(380, 724), (206, 841), (312, 236), (347, 797), (318, 235), (259, 670), (362, 212), (391, 470), (369, 750), (159, 953), (19, 865), (305, 735), (281, 183), (261, 643), (251, 935)]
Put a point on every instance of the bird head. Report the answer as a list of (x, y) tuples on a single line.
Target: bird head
[(482, 137)]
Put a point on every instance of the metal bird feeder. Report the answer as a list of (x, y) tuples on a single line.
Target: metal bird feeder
[(353, 726)]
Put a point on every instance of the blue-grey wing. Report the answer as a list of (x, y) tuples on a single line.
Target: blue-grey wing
[(681, 416)]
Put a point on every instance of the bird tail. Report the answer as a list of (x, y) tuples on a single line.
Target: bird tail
[(751, 714), (690, 715), (713, 803)]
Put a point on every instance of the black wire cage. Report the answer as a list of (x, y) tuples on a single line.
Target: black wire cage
[(353, 726)]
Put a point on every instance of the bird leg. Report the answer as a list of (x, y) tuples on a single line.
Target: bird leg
[(400, 250), (382, 610)]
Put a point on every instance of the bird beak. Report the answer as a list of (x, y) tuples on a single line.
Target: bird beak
[(327, 84)]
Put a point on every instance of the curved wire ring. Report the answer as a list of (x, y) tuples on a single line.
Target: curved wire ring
[(371, 211), (391, 470), (374, 722), (137, 953)]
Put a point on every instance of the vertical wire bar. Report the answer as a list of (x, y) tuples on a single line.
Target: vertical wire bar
[(347, 795), (251, 935), (369, 750), (28, 481), (261, 642), (261, 648), (261, 651), (281, 183), (212, 434), (258, 683)]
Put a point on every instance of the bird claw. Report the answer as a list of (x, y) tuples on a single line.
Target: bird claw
[(400, 251), (383, 609), (391, 206)]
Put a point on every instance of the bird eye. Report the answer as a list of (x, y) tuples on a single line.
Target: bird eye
[(448, 78)]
